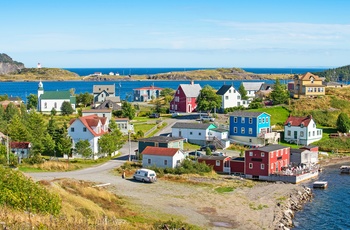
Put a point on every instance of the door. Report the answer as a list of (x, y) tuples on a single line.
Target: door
[(180, 133), (295, 135)]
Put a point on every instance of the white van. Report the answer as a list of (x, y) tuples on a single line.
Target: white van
[(145, 175)]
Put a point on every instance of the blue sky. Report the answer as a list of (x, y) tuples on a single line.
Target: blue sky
[(181, 33)]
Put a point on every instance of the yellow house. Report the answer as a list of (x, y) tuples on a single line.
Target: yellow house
[(307, 85)]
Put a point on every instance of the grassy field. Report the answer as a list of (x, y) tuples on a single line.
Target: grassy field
[(278, 114)]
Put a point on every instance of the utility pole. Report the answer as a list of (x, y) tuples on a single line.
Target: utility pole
[(129, 131)]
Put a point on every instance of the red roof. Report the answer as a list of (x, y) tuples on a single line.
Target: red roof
[(297, 121), (90, 121), (20, 145), (159, 151)]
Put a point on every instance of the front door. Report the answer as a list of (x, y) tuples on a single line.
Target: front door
[(295, 135), (180, 133)]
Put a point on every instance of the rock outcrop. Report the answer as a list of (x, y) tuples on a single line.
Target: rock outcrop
[(285, 212), (7, 65)]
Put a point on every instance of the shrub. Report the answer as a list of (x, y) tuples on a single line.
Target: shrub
[(187, 167)]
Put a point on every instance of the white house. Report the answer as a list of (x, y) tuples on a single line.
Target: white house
[(162, 157), (124, 125), (196, 133), (21, 149), (101, 92), (220, 136), (231, 97), (99, 112), (89, 128), (303, 156), (301, 130), (48, 100), (252, 88)]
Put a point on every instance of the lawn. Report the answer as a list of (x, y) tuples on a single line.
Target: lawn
[(278, 114)]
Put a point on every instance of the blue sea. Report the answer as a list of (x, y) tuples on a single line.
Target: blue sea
[(150, 71)]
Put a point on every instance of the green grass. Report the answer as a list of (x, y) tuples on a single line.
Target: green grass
[(278, 114), (143, 127), (189, 146), (224, 189)]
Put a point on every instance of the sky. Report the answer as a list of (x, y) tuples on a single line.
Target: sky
[(176, 33)]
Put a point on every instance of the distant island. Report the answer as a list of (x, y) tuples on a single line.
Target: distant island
[(11, 70)]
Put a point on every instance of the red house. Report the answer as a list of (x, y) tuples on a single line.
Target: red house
[(185, 98), (221, 164), (267, 160), (237, 165)]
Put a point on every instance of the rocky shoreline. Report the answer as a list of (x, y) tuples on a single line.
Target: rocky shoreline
[(284, 214)]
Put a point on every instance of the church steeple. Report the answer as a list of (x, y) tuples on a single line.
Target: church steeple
[(40, 92)]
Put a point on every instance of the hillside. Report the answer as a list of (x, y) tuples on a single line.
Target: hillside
[(336, 74), (35, 74), (7, 65)]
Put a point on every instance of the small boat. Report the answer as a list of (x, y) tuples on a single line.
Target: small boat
[(345, 169), (320, 184)]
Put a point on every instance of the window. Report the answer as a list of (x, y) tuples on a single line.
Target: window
[(235, 129), (229, 91), (250, 165), (200, 134), (313, 133), (250, 140), (188, 99), (238, 97), (55, 105), (272, 165), (242, 120), (289, 133), (235, 119), (250, 154), (84, 129), (262, 166), (314, 125), (45, 105), (250, 130), (267, 120), (262, 154), (165, 162), (217, 163), (226, 97), (309, 133), (301, 133), (156, 144), (250, 120), (178, 91), (234, 91), (263, 120), (190, 133), (259, 120), (242, 130), (149, 161), (72, 129)]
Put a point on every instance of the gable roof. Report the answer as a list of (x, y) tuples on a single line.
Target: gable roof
[(191, 90), (208, 157), (252, 85), (91, 121), (240, 113), (297, 121), (269, 148), (185, 125), (108, 104), (266, 86), (97, 111), (308, 75), (224, 89), (161, 139), (100, 88), (159, 151), (20, 145), (56, 95)]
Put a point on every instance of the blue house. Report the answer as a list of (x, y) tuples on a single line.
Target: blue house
[(251, 128)]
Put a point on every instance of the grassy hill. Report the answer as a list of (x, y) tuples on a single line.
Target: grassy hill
[(36, 74)]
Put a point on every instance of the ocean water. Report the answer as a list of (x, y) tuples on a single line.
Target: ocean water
[(150, 71), (330, 207)]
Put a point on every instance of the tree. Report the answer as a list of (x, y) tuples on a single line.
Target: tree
[(111, 142), (256, 104), (32, 101), (167, 94), (343, 123), (208, 100), (82, 147), (49, 145), (17, 130), (66, 108), (279, 94), (243, 92), (10, 111), (85, 99), (127, 110)]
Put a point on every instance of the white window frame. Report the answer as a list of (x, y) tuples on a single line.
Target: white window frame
[(262, 166), (217, 163), (250, 165)]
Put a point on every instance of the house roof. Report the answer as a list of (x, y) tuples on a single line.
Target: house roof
[(97, 111), (191, 90), (308, 75), (185, 125), (208, 157), (159, 151), (20, 145), (108, 104), (115, 99), (224, 89), (269, 148), (91, 121), (240, 113), (238, 159), (100, 88), (313, 85), (56, 95), (220, 130), (161, 139), (252, 85), (297, 121), (266, 86)]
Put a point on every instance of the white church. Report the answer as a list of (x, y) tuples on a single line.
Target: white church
[(47, 100)]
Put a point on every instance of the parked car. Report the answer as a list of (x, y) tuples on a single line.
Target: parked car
[(195, 154), (145, 175), (207, 118), (154, 115), (220, 154), (204, 147), (175, 114)]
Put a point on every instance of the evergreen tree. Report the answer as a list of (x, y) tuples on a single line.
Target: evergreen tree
[(279, 94), (343, 123), (49, 146), (82, 147), (208, 100), (66, 108), (17, 130), (32, 101), (242, 92), (11, 111), (127, 110)]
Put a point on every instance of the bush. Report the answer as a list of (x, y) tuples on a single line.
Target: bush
[(187, 167)]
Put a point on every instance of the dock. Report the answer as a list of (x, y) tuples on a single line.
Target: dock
[(320, 184), (345, 169)]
